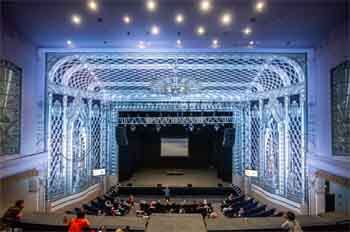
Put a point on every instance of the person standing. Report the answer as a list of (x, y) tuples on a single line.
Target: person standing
[(167, 193), (79, 223)]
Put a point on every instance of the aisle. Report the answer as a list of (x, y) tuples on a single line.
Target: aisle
[(176, 223)]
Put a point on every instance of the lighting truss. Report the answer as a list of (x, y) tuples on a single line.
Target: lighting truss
[(210, 120)]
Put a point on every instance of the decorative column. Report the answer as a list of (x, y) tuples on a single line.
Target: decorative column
[(302, 150), (67, 162), (286, 143), (89, 142), (261, 141), (49, 145)]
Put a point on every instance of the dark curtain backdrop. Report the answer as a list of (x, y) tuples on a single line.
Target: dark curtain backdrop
[(143, 150)]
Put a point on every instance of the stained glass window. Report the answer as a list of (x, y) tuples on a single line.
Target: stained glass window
[(10, 108), (340, 82)]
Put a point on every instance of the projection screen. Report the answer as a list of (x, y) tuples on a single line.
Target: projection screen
[(174, 147)]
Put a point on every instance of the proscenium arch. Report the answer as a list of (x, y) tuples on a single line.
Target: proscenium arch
[(257, 68), (112, 83)]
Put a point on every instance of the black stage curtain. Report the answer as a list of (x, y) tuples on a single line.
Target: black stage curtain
[(142, 149)]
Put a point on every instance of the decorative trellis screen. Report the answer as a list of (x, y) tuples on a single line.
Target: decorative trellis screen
[(264, 92)]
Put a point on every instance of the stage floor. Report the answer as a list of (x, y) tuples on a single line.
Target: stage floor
[(196, 177)]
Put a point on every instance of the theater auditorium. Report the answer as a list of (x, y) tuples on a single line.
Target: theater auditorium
[(174, 115)]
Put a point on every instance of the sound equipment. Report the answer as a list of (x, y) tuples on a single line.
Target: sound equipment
[(229, 136), (189, 185), (122, 137)]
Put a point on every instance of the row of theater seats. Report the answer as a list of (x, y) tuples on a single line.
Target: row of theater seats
[(243, 206), (105, 206), (203, 208), (178, 191)]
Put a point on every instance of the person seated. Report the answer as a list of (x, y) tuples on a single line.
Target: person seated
[(240, 212), (14, 213), (79, 223), (131, 200), (291, 224)]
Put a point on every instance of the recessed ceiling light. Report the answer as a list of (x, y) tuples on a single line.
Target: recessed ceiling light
[(260, 6), (127, 19), (226, 19), (247, 31), (155, 30), (151, 5), (76, 19), (179, 18), (205, 6), (92, 5), (200, 30)]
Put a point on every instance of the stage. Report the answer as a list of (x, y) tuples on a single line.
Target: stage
[(176, 178)]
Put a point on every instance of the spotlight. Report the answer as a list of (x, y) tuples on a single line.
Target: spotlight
[(226, 19), (127, 19), (155, 30), (200, 30), (69, 43), (179, 18), (92, 5), (76, 19), (260, 6), (190, 127), (151, 5), (205, 6), (247, 31), (158, 128)]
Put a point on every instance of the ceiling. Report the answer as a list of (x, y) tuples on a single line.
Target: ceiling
[(283, 24)]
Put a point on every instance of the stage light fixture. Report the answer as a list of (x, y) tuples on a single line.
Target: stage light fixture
[(260, 6), (179, 18), (226, 19), (216, 127), (205, 6), (76, 19), (200, 30), (69, 42), (127, 19), (247, 31), (190, 127), (133, 128), (158, 128), (155, 30), (92, 5), (151, 5)]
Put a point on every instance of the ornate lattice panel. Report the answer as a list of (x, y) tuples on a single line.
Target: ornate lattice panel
[(56, 163), (295, 161), (259, 89)]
